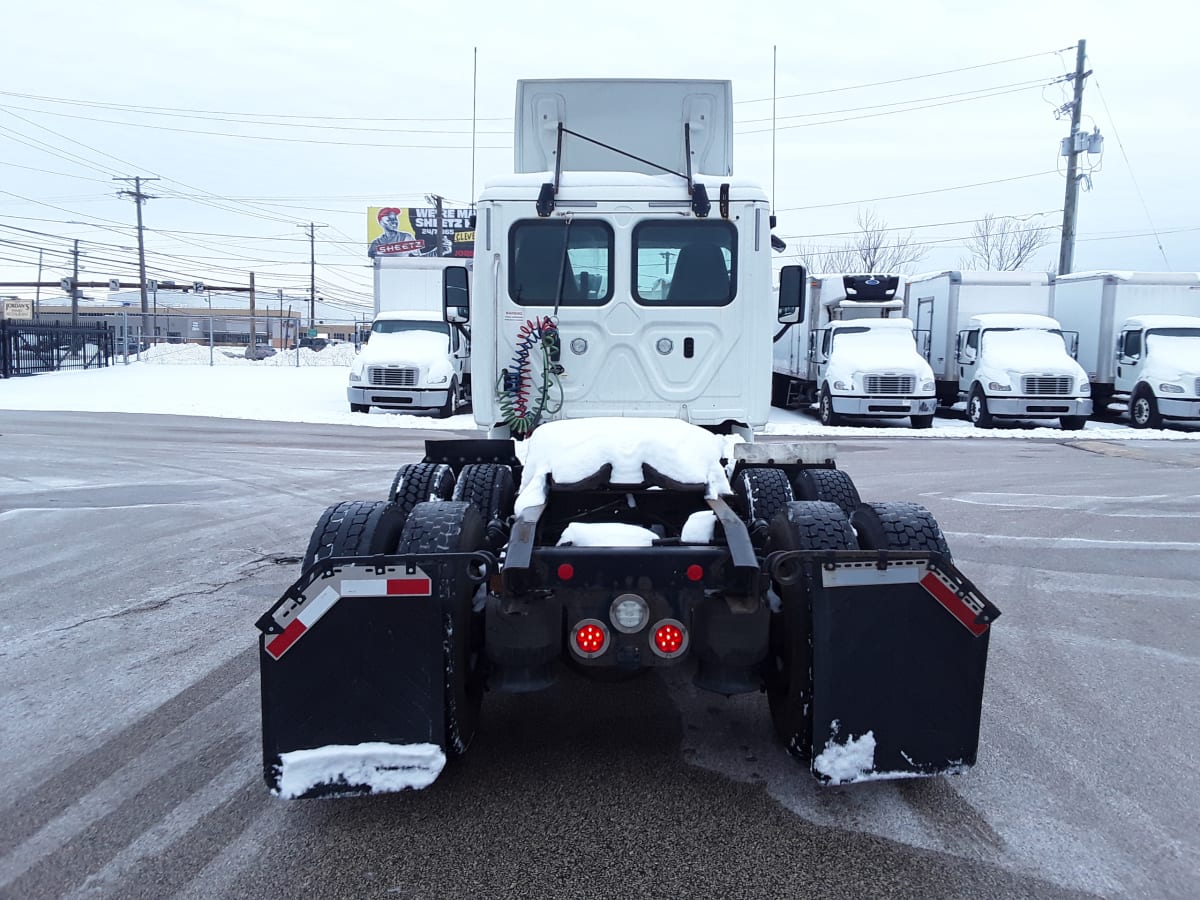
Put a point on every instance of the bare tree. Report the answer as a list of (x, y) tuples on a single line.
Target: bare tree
[(1004, 243), (876, 248)]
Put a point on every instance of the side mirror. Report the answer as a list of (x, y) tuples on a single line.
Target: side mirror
[(456, 294), (792, 282)]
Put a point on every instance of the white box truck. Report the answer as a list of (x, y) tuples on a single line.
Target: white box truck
[(994, 347), (1139, 341), (418, 353), (848, 356)]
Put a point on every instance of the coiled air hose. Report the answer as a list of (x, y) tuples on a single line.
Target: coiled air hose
[(523, 402)]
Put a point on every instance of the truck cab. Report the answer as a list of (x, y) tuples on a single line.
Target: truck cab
[(412, 360), (870, 367), (1158, 368), (1021, 366)]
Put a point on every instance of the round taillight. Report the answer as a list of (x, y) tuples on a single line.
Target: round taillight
[(695, 572), (669, 638), (590, 638), (566, 572)]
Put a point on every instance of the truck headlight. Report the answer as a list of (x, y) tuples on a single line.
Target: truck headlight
[(1085, 387), (1168, 388), (997, 386), (355, 376), (843, 386), (927, 385), (439, 379)]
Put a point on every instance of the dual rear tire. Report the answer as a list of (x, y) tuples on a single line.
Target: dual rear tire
[(824, 525)]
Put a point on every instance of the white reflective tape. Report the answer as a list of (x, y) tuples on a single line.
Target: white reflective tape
[(318, 606), (856, 575), (364, 587)]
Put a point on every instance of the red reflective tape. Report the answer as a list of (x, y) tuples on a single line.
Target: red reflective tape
[(279, 644), (953, 603), (409, 587)]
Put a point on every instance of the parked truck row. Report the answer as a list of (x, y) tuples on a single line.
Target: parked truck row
[(1004, 346)]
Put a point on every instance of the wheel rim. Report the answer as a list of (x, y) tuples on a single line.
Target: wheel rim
[(974, 410), (826, 408), (1141, 410)]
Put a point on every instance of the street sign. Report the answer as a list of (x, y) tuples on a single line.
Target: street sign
[(114, 284), (312, 332), (198, 287), (67, 284), (152, 285)]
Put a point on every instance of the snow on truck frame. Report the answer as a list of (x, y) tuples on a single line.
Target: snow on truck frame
[(622, 319)]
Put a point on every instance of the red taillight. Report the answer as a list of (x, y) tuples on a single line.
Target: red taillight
[(590, 638), (566, 572), (670, 638), (695, 572)]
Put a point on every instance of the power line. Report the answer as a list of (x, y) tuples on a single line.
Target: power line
[(958, 187)]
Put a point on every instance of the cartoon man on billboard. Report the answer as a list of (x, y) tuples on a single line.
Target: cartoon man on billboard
[(396, 242)]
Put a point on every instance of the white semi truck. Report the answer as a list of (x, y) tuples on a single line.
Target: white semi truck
[(622, 316), (995, 349), (1139, 341), (417, 355), (849, 358)]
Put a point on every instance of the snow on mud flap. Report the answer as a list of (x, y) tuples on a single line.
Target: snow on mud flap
[(361, 672), (898, 646)]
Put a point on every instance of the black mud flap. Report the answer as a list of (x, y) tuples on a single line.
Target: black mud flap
[(352, 665), (899, 650)]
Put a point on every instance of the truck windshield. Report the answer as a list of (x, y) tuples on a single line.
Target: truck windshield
[(685, 263), (1034, 341), (881, 339), (398, 326), (1174, 345)]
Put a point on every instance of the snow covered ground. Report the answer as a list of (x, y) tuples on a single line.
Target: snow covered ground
[(188, 379)]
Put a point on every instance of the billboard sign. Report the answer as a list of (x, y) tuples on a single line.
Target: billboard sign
[(413, 231)]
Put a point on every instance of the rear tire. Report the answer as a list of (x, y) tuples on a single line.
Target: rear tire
[(417, 482), (804, 525), (762, 493), (898, 526), (832, 485), (454, 527), (491, 490), (355, 528)]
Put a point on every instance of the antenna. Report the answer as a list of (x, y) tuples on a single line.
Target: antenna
[(774, 70), (474, 99)]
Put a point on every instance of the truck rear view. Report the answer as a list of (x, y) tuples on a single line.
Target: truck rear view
[(620, 517)]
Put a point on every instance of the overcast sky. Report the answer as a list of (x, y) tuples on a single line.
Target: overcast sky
[(260, 118)]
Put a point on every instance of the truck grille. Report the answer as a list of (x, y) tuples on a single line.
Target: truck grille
[(380, 377), (1042, 385), (890, 384)]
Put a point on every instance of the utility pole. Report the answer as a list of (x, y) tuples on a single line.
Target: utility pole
[(253, 337), (75, 287), (1066, 253), (37, 297), (139, 198), (437, 200), (312, 272)]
